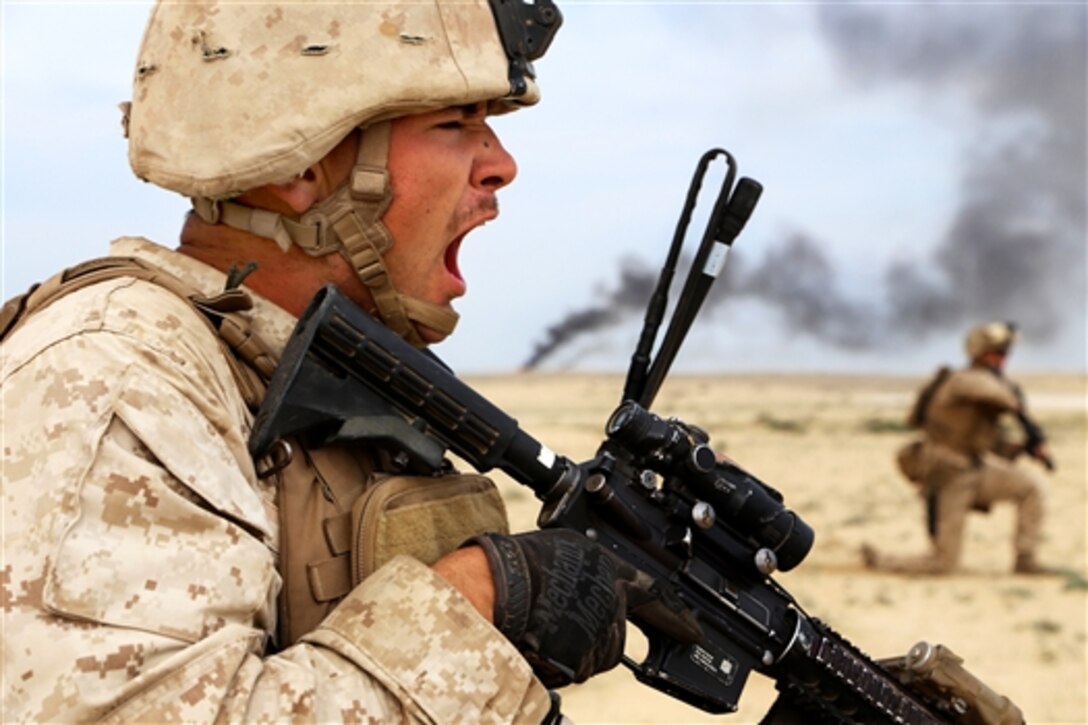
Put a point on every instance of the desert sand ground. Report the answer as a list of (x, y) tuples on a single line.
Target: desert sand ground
[(827, 443)]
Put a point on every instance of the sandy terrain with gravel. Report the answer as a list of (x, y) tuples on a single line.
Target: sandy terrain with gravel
[(827, 443)]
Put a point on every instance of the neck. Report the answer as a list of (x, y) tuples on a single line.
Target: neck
[(288, 279), (996, 367)]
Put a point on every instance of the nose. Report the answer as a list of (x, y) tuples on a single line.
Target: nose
[(495, 167)]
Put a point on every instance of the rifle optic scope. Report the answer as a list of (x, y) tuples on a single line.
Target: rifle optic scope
[(691, 469)]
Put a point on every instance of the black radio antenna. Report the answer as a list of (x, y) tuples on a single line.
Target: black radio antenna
[(659, 300), (728, 217)]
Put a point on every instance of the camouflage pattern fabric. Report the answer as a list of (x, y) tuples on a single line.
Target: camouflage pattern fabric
[(140, 556)]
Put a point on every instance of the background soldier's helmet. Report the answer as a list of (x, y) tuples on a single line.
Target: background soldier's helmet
[(990, 337), (230, 95)]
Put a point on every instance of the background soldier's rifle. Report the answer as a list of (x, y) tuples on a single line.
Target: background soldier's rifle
[(655, 494), (1034, 437)]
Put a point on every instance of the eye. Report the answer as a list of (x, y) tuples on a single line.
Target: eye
[(460, 117)]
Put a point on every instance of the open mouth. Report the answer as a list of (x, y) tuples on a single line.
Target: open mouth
[(451, 258)]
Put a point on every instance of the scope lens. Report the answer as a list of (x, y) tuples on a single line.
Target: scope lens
[(743, 502), (747, 505)]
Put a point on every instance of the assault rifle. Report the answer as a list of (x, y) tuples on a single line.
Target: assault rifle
[(655, 494)]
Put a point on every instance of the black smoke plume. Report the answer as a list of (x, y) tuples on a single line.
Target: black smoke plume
[(636, 284), (1016, 247)]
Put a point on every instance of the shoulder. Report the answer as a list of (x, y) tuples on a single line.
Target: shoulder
[(133, 313), (132, 351), (965, 379), (983, 386), (102, 337)]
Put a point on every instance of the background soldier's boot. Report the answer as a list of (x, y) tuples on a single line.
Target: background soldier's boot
[(1026, 564)]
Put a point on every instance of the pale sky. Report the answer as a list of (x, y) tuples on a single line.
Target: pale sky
[(933, 150)]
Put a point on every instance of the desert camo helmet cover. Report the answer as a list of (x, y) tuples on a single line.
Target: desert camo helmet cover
[(990, 337), (231, 95)]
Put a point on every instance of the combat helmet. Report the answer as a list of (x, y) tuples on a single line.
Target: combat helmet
[(230, 95), (990, 337)]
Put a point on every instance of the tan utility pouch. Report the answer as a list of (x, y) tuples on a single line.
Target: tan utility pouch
[(334, 537), (315, 492), (911, 460), (931, 465), (423, 517)]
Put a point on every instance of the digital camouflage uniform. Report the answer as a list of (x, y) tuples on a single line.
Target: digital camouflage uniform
[(140, 559), (957, 464)]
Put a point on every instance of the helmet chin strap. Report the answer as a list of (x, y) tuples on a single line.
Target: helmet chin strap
[(349, 222)]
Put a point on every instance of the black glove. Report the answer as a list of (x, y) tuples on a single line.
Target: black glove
[(562, 599)]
